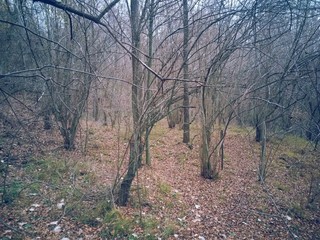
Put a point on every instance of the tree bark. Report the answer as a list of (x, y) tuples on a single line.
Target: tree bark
[(208, 158), (125, 186), (149, 64), (135, 144), (258, 132), (186, 110), (263, 160)]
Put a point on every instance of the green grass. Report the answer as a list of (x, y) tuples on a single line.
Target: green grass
[(296, 146), (72, 182), (157, 132), (149, 224), (139, 195), (235, 129), (47, 170), (182, 157), (118, 226), (168, 230), (298, 210), (164, 188), (281, 186), (12, 191), (56, 171), (295, 141), (92, 214)]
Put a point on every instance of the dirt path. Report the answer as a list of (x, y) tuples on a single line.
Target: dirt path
[(170, 197), (232, 207)]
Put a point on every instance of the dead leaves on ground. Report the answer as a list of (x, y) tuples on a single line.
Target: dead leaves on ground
[(169, 199)]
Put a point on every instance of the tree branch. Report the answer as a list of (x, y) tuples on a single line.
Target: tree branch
[(107, 9), (65, 7)]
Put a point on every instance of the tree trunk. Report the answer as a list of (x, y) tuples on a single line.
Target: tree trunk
[(263, 160), (96, 108), (135, 144), (47, 122), (68, 140), (206, 168), (105, 123), (222, 148), (186, 117), (149, 63), (208, 163), (258, 132), (125, 186), (174, 117), (148, 158)]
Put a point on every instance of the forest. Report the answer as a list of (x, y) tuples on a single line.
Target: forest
[(159, 119)]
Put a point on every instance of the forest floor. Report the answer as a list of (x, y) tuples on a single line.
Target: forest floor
[(56, 194)]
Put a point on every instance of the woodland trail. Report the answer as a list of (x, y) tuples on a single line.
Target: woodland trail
[(232, 207), (169, 199)]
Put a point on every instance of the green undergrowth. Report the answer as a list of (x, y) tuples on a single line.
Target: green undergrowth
[(240, 130), (11, 192), (150, 225), (164, 188), (296, 142), (116, 225), (138, 196), (50, 180), (157, 132), (293, 174), (294, 170)]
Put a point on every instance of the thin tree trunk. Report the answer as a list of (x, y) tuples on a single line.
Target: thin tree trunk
[(263, 160), (222, 148), (149, 63), (47, 122), (96, 106), (135, 143), (125, 186), (258, 132), (186, 110)]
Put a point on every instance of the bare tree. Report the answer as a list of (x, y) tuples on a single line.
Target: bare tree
[(186, 112)]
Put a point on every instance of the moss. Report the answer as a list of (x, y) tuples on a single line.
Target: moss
[(164, 188), (281, 187)]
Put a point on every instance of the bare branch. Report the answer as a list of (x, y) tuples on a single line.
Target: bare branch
[(107, 9), (65, 7)]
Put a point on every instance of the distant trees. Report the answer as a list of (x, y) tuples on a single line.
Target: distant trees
[(283, 34), (228, 28), (255, 60), (62, 56)]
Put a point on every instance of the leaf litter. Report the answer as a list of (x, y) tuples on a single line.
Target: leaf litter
[(235, 206)]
